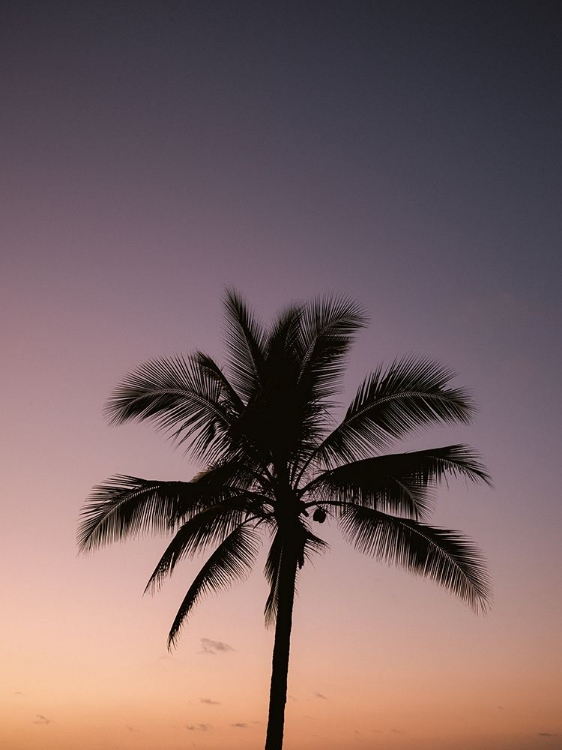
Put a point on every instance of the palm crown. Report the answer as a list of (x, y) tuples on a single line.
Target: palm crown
[(277, 463)]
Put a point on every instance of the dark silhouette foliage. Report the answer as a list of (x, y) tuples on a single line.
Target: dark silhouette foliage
[(277, 465)]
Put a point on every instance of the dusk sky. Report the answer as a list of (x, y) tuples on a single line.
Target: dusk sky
[(404, 153)]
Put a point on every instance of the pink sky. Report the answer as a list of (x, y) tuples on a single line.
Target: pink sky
[(154, 156)]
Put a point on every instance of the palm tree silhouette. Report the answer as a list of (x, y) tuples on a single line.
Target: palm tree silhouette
[(277, 463)]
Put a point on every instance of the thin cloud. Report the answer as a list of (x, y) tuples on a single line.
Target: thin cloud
[(547, 734), (198, 727), (40, 719), (240, 725), (210, 702), (214, 647)]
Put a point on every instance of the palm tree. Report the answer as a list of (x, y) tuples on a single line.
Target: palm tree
[(277, 463)]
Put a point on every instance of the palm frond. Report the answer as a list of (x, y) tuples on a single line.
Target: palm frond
[(328, 329), (208, 528), (412, 393), (245, 340), (180, 397), (224, 480), (313, 545), (274, 401), (444, 556), (271, 571), (299, 542), (125, 506), (401, 482), (281, 343), (229, 395), (232, 560)]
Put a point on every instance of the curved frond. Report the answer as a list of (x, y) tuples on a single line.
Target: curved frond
[(244, 339), (208, 528), (222, 481), (328, 327), (412, 393), (444, 556), (229, 395), (327, 331), (232, 560), (180, 397), (400, 482), (125, 506), (281, 343)]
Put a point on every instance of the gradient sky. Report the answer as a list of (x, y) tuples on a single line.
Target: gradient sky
[(406, 154)]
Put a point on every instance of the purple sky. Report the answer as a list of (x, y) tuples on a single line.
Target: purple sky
[(406, 154)]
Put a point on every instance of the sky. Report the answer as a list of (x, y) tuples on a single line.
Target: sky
[(405, 154)]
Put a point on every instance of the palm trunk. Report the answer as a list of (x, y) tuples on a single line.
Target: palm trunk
[(280, 662)]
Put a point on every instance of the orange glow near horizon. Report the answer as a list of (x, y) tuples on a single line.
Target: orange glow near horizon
[(404, 155)]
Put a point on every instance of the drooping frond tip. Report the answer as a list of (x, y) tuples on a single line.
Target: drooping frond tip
[(232, 560), (446, 557)]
